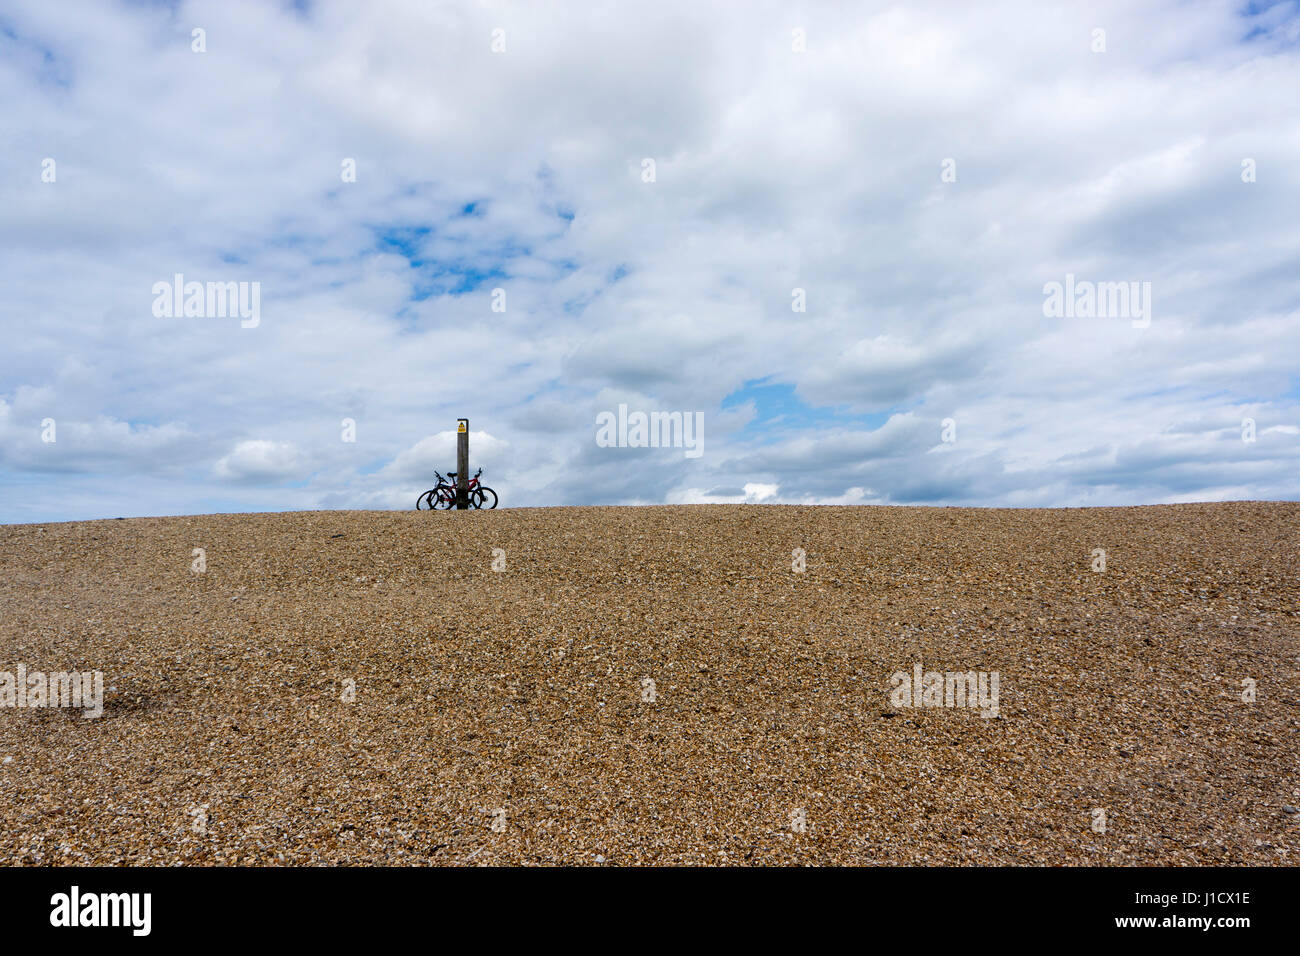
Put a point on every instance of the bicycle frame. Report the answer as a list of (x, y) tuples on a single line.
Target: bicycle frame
[(447, 489)]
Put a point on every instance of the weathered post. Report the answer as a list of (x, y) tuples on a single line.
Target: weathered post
[(462, 464)]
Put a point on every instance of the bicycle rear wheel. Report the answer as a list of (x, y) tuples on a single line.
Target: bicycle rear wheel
[(484, 497), (446, 498)]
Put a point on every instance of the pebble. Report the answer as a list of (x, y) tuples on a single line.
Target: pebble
[(396, 698)]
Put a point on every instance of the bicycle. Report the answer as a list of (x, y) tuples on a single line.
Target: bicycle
[(443, 495)]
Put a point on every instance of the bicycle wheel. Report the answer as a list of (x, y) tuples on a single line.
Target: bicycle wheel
[(484, 497), (446, 497), (425, 501)]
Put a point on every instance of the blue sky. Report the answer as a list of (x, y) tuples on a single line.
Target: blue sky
[(776, 412), (501, 254)]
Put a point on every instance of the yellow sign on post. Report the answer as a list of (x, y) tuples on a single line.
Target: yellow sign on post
[(462, 426)]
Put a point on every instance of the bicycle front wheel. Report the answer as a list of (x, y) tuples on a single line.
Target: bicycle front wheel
[(484, 497), (425, 501)]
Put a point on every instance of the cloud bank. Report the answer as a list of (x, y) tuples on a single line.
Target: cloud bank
[(827, 228)]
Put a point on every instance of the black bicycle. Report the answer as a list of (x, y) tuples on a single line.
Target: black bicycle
[(443, 495)]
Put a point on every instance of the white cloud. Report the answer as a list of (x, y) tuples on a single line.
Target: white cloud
[(261, 460), (438, 453)]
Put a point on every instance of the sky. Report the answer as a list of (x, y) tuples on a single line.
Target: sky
[(826, 230)]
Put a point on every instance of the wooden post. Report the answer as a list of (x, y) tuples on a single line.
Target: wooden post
[(462, 464)]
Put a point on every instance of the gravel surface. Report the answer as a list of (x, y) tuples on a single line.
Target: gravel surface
[(363, 687)]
